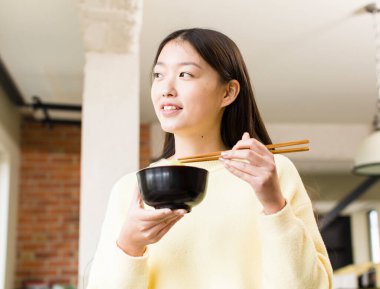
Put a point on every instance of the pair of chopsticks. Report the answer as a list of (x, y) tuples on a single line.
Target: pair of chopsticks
[(272, 148)]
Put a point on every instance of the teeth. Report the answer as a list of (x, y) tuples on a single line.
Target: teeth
[(170, 107)]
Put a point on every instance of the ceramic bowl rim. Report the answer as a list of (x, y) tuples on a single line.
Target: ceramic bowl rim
[(175, 166)]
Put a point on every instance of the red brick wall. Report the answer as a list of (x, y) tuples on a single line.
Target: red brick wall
[(48, 217)]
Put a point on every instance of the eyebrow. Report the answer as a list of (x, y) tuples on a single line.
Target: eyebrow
[(182, 64)]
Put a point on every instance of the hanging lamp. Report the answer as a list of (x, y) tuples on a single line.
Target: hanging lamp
[(367, 159)]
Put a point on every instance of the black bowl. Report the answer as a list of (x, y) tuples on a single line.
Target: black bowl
[(173, 187)]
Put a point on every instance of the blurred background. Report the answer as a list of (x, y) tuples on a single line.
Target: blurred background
[(75, 115)]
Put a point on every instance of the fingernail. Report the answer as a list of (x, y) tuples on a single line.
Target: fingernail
[(181, 212), (224, 161), (224, 154), (166, 211)]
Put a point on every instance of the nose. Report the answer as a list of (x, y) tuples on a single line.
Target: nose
[(170, 93), (168, 89)]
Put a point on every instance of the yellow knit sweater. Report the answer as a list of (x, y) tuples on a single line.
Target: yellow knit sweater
[(226, 242)]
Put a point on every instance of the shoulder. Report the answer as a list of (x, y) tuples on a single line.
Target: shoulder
[(164, 162), (123, 188), (290, 180), (126, 180), (284, 164), (286, 171)]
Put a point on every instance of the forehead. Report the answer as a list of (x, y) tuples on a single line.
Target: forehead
[(178, 50)]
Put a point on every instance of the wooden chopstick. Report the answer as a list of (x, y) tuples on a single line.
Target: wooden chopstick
[(272, 148), (287, 144)]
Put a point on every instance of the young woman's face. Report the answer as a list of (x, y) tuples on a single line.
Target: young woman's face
[(187, 93)]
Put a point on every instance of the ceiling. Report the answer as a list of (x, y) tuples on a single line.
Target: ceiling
[(40, 43), (310, 61)]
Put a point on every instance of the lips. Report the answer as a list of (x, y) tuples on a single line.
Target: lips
[(170, 107)]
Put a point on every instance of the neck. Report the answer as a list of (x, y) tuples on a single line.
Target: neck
[(197, 143)]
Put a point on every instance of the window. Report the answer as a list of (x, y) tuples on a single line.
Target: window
[(373, 221)]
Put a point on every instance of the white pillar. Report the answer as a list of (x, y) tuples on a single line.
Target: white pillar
[(9, 189), (110, 124), (9, 182)]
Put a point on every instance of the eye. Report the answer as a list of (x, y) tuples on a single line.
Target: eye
[(157, 75), (185, 74)]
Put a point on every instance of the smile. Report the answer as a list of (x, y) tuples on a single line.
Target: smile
[(170, 107)]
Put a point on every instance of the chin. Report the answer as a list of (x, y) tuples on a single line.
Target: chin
[(168, 129), (171, 128)]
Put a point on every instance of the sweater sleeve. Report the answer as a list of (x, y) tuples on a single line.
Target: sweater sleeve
[(294, 255), (111, 267)]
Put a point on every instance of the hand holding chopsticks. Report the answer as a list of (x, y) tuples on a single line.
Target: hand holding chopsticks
[(254, 163), (272, 148)]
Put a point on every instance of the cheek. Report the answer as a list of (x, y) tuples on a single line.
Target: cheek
[(203, 108), (154, 96), (209, 99)]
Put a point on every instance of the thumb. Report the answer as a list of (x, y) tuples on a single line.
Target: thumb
[(136, 199), (245, 136)]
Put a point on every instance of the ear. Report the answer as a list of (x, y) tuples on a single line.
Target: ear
[(232, 91)]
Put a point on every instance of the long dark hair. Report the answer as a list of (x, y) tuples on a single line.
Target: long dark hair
[(221, 53)]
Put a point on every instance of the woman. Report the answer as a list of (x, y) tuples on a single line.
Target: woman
[(255, 228)]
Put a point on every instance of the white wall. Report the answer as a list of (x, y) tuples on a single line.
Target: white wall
[(9, 174)]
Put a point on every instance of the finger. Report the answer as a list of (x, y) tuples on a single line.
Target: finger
[(155, 233), (244, 167), (265, 168), (251, 156), (181, 212), (154, 215), (166, 228), (245, 136), (163, 222), (242, 173), (252, 144), (136, 197)]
